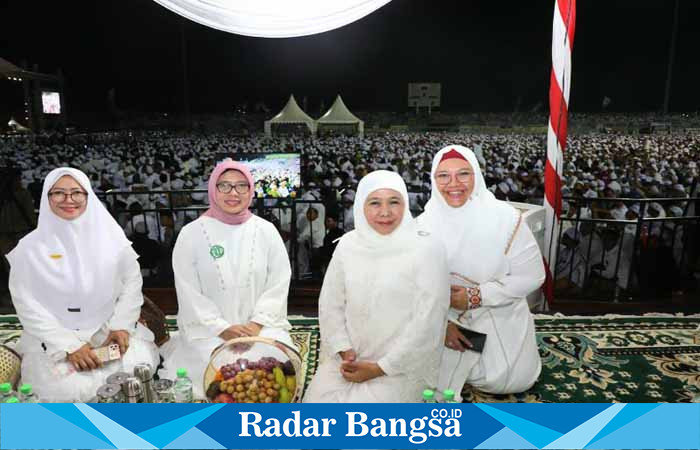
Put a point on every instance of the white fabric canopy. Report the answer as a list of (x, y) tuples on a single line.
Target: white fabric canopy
[(291, 113), (273, 18), (8, 69), (339, 114)]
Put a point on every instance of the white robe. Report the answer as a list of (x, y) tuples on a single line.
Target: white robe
[(487, 242), (45, 342), (249, 282), (391, 310), (510, 362)]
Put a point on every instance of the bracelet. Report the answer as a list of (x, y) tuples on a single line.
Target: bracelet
[(473, 297), (473, 300)]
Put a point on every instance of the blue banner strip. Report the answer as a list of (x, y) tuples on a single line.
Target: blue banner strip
[(326, 426)]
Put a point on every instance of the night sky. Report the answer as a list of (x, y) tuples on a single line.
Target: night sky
[(488, 55)]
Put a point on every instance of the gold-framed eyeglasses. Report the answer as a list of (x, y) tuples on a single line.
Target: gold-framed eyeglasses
[(225, 187), (463, 176), (75, 196)]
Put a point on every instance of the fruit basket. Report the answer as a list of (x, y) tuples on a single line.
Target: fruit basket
[(253, 370), (10, 365)]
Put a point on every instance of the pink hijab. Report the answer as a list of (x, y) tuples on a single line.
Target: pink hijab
[(214, 210)]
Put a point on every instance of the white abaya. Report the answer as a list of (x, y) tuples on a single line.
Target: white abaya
[(225, 275), (510, 362), (488, 244), (388, 302), (72, 282)]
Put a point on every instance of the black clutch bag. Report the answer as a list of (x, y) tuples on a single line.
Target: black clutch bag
[(477, 339)]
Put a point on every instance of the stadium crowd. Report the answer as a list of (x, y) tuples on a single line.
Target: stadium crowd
[(597, 166)]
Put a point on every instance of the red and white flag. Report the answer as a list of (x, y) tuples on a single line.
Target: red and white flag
[(563, 28)]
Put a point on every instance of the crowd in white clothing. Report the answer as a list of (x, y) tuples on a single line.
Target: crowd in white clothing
[(597, 166)]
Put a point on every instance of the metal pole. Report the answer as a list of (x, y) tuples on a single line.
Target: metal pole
[(185, 84), (671, 57)]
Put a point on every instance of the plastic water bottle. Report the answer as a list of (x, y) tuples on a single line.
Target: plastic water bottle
[(6, 392), (27, 395), (448, 396), (183, 387), (429, 396)]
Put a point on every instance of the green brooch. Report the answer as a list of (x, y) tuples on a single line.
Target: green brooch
[(216, 251)]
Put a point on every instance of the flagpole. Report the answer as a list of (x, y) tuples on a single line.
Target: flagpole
[(563, 29)]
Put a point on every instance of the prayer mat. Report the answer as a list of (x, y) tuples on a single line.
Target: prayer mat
[(610, 358), (629, 359)]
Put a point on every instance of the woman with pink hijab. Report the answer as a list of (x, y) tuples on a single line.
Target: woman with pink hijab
[(232, 276)]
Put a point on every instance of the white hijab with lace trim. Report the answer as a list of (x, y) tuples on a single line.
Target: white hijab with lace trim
[(364, 235), (476, 234)]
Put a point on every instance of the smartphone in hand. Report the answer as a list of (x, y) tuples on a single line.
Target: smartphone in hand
[(477, 339)]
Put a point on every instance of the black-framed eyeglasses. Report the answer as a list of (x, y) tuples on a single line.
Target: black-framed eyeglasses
[(225, 187), (75, 196), (463, 176)]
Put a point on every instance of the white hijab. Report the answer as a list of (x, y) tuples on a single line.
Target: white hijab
[(475, 235), (72, 264), (364, 235)]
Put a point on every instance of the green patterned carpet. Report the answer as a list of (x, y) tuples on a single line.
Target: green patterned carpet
[(613, 359), (584, 359)]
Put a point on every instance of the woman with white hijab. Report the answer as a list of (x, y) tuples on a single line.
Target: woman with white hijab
[(383, 304), (232, 276), (494, 263), (76, 285)]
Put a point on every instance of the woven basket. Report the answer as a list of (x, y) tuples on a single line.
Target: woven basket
[(152, 316), (10, 366), (246, 347)]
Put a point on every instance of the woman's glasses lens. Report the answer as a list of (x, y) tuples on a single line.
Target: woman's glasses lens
[(444, 178), (76, 196), (226, 188)]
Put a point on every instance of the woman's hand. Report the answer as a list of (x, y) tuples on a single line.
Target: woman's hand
[(360, 371), (456, 340), (348, 355), (120, 337), (84, 359), (236, 331), (253, 328), (458, 297)]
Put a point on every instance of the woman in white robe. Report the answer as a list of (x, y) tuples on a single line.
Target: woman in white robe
[(494, 263), (232, 276), (383, 304), (76, 284)]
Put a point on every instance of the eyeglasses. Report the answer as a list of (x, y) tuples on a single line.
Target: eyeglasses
[(463, 176), (226, 188), (75, 196)]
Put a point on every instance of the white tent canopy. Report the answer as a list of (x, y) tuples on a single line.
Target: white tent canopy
[(8, 69), (339, 114), (291, 113)]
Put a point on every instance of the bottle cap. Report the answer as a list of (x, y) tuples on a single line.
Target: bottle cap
[(428, 394), (12, 400), (5, 388), (26, 389), (181, 373), (448, 394)]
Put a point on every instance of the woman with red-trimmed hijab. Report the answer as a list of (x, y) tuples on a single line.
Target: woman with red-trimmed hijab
[(232, 276), (494, 263)]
